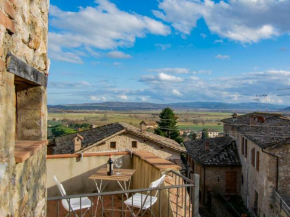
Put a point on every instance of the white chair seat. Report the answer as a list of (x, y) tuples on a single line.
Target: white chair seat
[(138, 200), (75, 203)]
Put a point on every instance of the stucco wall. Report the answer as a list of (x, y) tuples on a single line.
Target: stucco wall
[(23, 32), (74, 174), (124, 141)]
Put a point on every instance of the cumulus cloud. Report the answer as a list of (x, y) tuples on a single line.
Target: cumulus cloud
[(222, 57), (246, 21), (123, 97), (161, 77), (176, 92), (171, 70), (98, 99), (168, 88), (118, 55), (242, 88), (103, 26)]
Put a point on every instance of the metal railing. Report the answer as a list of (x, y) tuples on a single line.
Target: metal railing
[(174, 200), (282, 204)]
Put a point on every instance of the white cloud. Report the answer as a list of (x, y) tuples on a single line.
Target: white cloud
[(170, 70), (161, 77), (218, 41), (163, 46), (203, 35), (98, 99), (103, 26), (176, 92), (246, 21), (242, 88), (220, 56), (123, 97), (118, 55)]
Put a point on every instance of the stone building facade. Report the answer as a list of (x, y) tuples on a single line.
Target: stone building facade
[(263, 141), (217, 162), (23, 110), (119, 137)]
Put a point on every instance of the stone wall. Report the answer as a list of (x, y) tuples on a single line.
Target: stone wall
[(124, 141), (263, 181), (23, 32), (215, 179)]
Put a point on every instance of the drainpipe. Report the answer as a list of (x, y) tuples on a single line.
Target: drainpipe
[(277, 167)]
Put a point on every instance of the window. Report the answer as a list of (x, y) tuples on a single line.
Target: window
[(242, 146), (253, 157), (113, 145), (257, 162), (242, 180), (134, 144), (246, 148)]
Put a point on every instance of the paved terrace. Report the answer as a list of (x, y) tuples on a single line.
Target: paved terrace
[(149, 167)]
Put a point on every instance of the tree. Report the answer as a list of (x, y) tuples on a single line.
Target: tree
[(61, 130), (204, 134), (167, 125)]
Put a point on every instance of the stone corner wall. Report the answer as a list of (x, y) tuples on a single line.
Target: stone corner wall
[(23, 32)]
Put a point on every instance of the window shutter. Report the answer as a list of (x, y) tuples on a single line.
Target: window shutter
[(258, 161), (253, 157)]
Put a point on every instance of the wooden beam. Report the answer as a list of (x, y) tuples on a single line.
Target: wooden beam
[(18, 67)]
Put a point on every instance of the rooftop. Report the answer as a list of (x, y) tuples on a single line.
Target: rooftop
[(222, 151), (273, 133), (98, 135)]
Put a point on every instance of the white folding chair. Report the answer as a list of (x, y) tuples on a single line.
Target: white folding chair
[(74, 203), (144, 201)]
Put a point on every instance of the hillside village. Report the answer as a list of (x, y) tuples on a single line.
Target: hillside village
[(235, 167)]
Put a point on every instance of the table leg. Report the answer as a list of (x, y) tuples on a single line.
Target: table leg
[(100, 189), (126, 186)]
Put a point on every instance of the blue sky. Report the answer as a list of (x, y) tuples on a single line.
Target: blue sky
[(169, 51)]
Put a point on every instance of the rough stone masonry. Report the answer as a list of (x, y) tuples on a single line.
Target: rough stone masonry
[(23, 110)]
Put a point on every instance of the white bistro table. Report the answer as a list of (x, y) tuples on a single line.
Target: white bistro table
[(124, 180)]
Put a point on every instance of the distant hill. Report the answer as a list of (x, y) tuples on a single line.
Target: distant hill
[(128, 106), (286, 109)]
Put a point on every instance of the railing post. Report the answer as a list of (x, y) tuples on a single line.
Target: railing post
[(195, 196)]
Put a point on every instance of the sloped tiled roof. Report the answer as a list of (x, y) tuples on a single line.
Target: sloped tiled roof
[(163, 141), (222, 151), (273, 133), (64, 144)]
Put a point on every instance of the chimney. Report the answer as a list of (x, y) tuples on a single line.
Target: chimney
[(253, 120), (206, 146), (143, 126), (77, 141)]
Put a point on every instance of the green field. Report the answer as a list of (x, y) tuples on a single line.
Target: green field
[(188, 120)]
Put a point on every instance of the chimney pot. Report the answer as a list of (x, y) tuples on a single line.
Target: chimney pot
[(143, 126)]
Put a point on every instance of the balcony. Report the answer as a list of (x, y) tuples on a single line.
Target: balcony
[(177, 196)]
